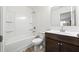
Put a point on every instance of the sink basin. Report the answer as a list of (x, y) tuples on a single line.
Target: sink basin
[(67, 33)]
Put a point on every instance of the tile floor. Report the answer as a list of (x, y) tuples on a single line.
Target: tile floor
[(40, 48), (31, 49)]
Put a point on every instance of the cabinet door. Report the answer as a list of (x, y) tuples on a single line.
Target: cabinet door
[(69, 48), (52, 45)]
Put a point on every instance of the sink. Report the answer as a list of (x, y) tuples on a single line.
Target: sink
[(67, 33)]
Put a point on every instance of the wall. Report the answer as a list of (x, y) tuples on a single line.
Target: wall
[(17, 25), (41, 18)]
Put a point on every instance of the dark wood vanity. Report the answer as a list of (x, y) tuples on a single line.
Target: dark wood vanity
[(61, 43)]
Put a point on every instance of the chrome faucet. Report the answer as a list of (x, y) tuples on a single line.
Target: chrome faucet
[(62, 29)]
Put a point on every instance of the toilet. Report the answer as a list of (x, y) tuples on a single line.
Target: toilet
[(36, 42)]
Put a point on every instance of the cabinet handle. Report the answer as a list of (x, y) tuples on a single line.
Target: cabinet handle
[(58, 43), (61, 44)]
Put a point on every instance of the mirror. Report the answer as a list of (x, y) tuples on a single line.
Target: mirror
[(65, 19), (63, 16)]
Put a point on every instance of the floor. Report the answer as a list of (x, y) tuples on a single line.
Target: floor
[(40, 48), (31, 49)]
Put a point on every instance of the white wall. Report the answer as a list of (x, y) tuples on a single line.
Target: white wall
[(41, 18), (17, 25)]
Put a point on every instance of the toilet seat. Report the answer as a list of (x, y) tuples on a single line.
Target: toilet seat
[(37, 41)]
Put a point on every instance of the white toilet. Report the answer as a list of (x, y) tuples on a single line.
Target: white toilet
[(36, 42)]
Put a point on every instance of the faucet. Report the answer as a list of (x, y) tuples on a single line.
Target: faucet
[(62, 26), (62, 29)]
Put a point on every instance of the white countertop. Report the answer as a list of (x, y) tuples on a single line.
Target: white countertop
[(67, 33)]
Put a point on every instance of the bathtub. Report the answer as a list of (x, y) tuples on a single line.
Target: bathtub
[(19, 45)]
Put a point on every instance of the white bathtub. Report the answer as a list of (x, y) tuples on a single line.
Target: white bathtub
[(19, 45)]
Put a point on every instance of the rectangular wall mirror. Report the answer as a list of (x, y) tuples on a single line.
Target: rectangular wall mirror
[(63, 16), (65, 19)]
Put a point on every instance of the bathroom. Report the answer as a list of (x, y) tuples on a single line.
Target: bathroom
[(22, 25)]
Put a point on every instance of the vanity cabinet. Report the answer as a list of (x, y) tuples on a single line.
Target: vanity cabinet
[(61, 43), (69, 48), (52, 45)]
